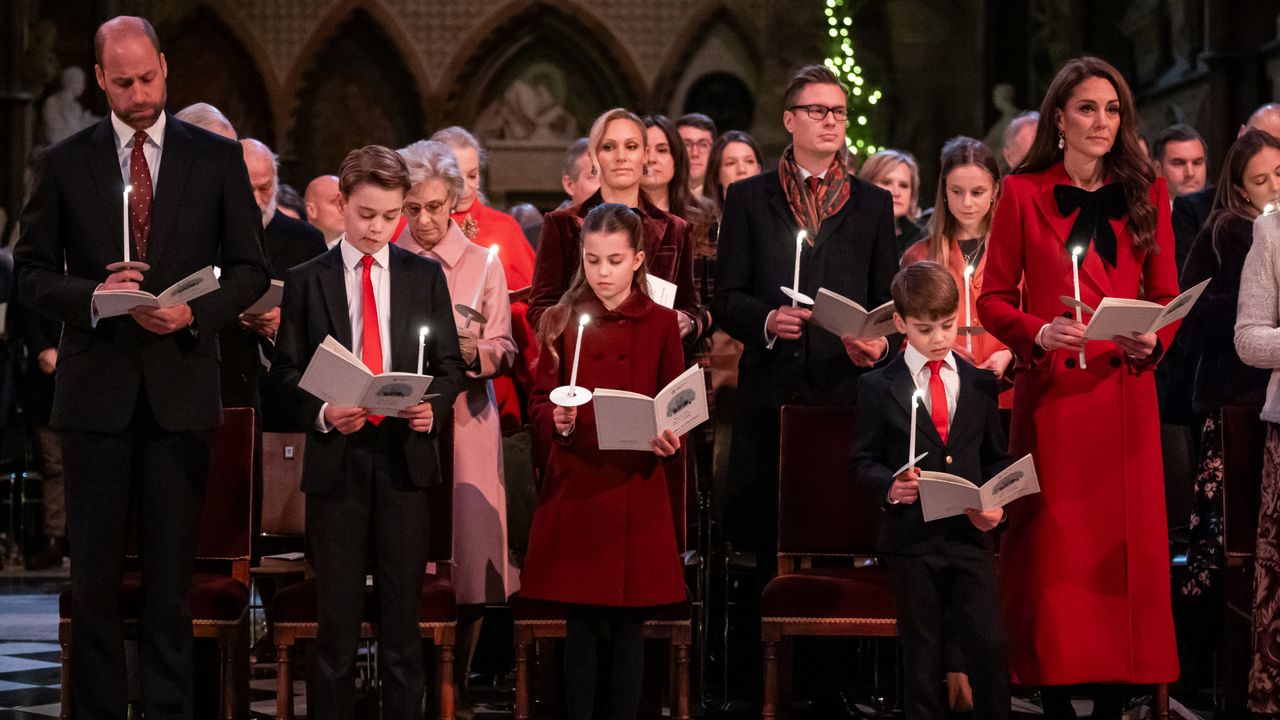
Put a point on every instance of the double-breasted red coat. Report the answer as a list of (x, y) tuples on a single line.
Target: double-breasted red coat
[(603, 532), (1084, 565)]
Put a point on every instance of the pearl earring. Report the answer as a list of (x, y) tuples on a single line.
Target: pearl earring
[(1062, 141)]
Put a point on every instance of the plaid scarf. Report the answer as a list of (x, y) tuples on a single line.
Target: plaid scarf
[(811, 209)]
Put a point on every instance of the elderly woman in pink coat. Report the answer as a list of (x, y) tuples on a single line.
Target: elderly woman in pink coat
[(483, 572)]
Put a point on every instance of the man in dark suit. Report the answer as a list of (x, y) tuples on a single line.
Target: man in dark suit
[(365, 476), (137, 397), (944, 570), (850, 250)]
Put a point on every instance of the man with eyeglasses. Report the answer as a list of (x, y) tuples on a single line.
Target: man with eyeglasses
[(848, 249), (698, 133)]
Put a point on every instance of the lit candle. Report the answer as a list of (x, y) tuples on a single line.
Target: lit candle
[(422, 346), (475, 299), (911, 447), (125, 218), (968, 314), (577, 353), (1076, 252), (795, 283)]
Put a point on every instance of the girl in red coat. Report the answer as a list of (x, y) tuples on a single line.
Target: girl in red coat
[(1085, 563), (603, 539)]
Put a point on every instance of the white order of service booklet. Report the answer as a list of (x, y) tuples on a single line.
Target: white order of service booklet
[(629, 421), (111, 303), (338, 377), (841, 316), (943, 495)]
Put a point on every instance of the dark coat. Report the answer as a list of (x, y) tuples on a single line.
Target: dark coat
[(203, 214), (315, 305)]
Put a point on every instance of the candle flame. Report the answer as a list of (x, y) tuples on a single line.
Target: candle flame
[(916, 396), (493, 251), (128, 189), (1077, 250), (968, 270), (422, 332), (801, 236), (583, 320)]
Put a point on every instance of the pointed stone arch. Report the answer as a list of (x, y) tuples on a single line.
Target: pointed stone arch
[(713, 17), (358, 88), (210, 62)]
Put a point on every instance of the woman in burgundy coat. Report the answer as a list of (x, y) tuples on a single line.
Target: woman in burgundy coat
[(618, 147), (1085, 563), (603, 540)]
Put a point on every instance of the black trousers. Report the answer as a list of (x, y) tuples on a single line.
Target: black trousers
[(164, 474), (953, 595), (374, 512)]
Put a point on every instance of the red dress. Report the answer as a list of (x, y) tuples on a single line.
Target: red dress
[(603, 532), (1084, 565), (485, 226)]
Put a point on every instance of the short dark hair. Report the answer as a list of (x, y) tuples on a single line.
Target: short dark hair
[(924, 290), (1178, 132), (697, 120), (373, 165), (100, 36), (572, 154), (810, 75)]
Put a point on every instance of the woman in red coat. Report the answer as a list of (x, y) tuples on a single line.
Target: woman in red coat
[(603, 539), (1085, 564), (618, 147)]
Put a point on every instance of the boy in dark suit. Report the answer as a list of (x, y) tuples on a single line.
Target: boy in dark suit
[(944, 570), (366, 476)]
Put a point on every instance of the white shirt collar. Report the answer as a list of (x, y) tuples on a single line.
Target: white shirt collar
[(805, 174), (351, 257), (916, 360), (124, 133)]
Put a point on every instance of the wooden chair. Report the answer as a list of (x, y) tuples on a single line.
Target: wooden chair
[(294, 607), (220, 584), (536, 620), (1243, 439), (821, 516)]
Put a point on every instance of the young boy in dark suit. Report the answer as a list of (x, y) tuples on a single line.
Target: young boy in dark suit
[(366, 476), (944, 570)]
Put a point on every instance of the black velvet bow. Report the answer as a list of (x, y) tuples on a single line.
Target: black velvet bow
[(1096, 208)]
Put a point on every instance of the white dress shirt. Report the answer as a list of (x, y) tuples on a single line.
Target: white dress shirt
[(152, 150), (353, 280), (917, 364)]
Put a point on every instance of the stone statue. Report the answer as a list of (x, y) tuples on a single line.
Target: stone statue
[(530, 109), (1002, 96), (62, 112)]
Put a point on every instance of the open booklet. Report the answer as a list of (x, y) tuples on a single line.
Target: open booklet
[(270, 300), (944, 495), (338, 377), (661, 291), (111, 303), (628, 421), (841, 316), (1123, 317)]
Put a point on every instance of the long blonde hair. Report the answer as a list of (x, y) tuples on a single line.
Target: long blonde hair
[(605, 218)]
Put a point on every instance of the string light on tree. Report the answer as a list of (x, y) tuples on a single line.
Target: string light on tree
[(862, 131)]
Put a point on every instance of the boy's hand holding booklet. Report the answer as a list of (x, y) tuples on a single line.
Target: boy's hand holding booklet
[(628, 421), (339, 378), (1125, 317), (111, 303), (841, 316), (944, 495)]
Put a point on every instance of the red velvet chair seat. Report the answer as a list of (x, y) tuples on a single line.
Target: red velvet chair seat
[(213, 597), (297, 603), (830, 592)]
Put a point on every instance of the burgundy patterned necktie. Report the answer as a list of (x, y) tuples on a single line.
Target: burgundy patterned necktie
[(140, 196)]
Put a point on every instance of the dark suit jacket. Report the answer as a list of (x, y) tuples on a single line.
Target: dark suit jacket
[(290, 242), (975, 450), (854, 255), (203, 214), (315, 305), (1190, 213)]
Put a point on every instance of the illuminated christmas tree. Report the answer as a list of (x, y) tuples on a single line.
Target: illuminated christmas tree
[(864, 99)]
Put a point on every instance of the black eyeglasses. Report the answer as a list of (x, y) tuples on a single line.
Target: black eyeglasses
[(819, 112)]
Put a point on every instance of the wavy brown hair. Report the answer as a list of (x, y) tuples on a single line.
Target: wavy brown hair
[(711, 187), (605, 218), (1228, 197), (1126, 161), (956, 153)]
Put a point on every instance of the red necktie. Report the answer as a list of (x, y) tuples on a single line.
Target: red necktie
[(813, 181), (140, 196), (938, 399), (370, 339)]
